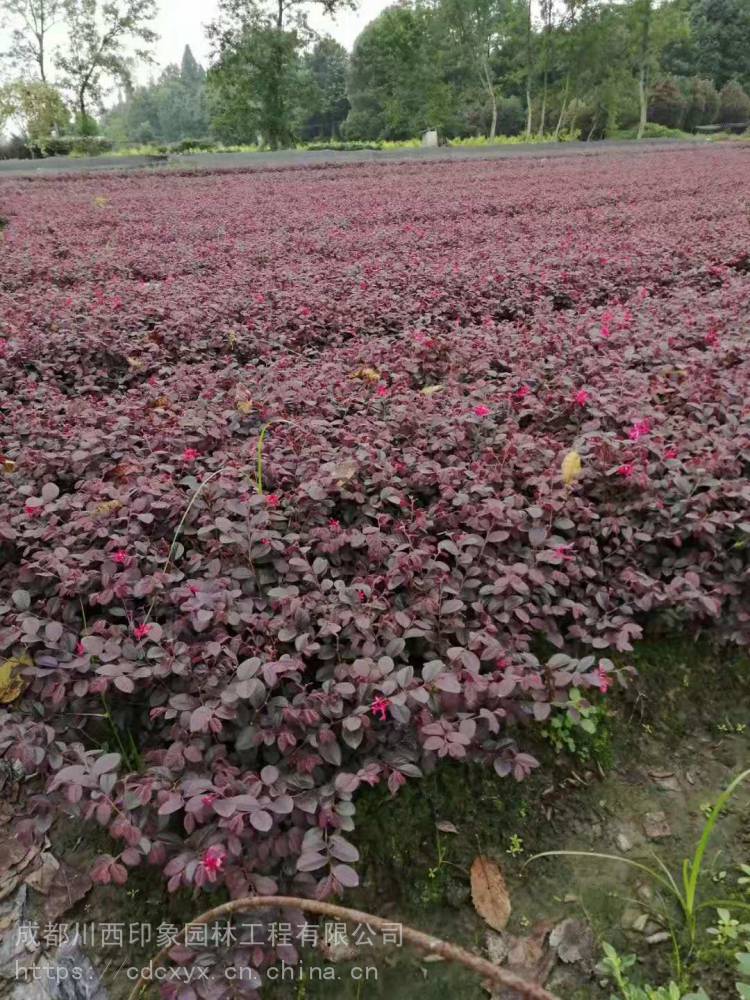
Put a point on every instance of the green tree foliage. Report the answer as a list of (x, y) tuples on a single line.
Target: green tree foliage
[(257, 72), (100, 36), (324, 104), (721, 40), (172, 108), (734, 104), (702, 102), (667, 104), (36, 108)]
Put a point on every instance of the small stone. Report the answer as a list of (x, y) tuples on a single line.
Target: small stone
[(655, 826), (659, 937), (630, 917), (624, 843)]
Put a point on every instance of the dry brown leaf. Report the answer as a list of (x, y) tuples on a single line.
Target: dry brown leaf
[(9, 466), (345, 472), (445, 826), (41, 878), (489, 893), (64, 891)]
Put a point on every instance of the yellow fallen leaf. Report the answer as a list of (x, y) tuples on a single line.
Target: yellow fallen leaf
[(571, 467), (367, 374), (100, 201), (245, 406), (9, 466), (489, 894), (12, 684), (232, 339), (430, 390), (108, 507)]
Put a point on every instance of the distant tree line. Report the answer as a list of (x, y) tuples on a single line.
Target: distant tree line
[(589, 68)]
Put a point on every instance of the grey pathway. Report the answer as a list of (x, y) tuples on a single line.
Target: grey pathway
[(302, 158)]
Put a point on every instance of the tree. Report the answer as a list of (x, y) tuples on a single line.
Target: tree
[(396, 83), (255, 74), (480, 27), (38, 109), (721, 32), (31, 21), (702, 102), (734, 104), (653, 27), (667, 104), (325, 102), (98, 34)]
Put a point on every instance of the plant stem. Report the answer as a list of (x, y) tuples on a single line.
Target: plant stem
[(424, 942)]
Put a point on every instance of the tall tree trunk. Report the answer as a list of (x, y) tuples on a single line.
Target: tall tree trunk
[(543, 112), (40, 57), (643, 99), (487, 77), (528, 74), (643, 69), (563, 108)]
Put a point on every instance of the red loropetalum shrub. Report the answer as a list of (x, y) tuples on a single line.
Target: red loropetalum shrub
[(213, 672)]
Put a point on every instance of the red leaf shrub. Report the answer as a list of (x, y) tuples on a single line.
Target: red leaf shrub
[(428, 343)]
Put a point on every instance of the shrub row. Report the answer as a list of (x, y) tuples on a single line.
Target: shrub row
[(215, 664)]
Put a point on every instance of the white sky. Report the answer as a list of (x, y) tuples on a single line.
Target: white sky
[(180, 23)]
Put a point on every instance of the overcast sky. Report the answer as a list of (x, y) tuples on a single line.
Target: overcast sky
[(180, 23)]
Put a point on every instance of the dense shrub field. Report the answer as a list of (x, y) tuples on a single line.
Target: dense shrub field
[(504, 402)]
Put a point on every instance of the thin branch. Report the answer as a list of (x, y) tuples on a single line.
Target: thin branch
[(424, 942)]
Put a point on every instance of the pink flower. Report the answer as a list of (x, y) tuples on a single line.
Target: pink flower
[(639, 429), (213, 862), (582, 397), (380, 708), (190, 455), (208, 800), (481, 410), (523, 392), (260, 298), (80, 651), (334, 524), (121, 557), (273, 499), (141, 631), (712, 338), (562, 551), (362, 596), (604, 680), (626, 470), (501, 663), (31, 510), (671, 453), (382, 391)]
